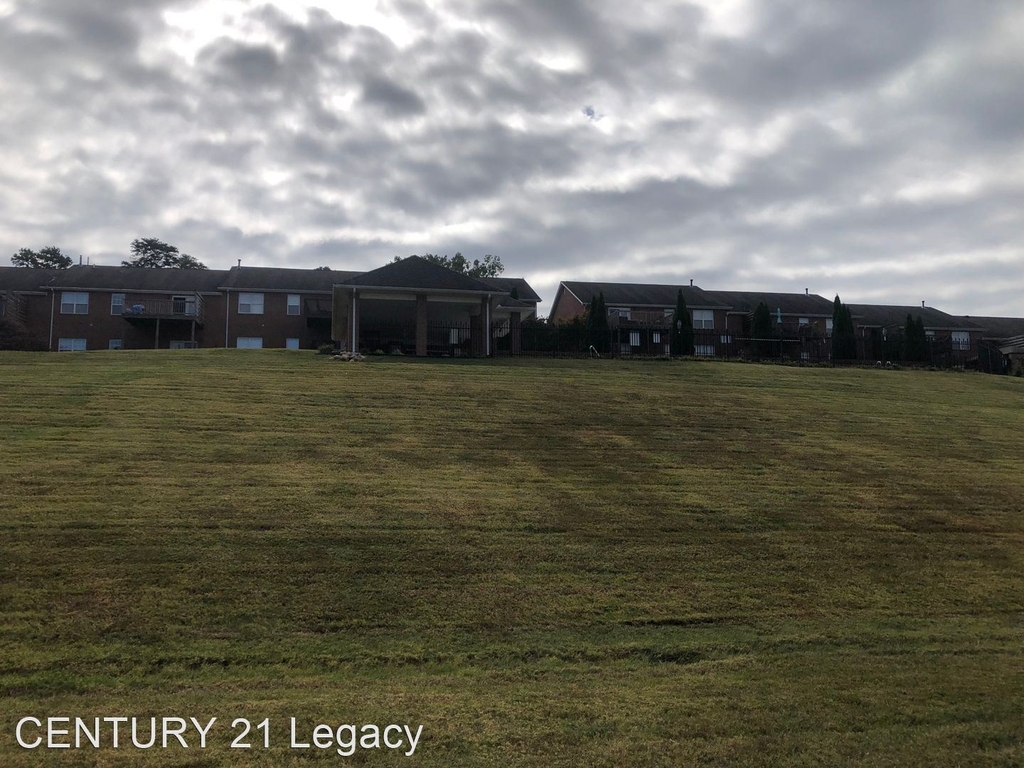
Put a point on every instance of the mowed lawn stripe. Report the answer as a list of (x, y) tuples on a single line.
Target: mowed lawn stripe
[(544, 562)]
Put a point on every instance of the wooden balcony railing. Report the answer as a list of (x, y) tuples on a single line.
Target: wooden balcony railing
[(179, 308)]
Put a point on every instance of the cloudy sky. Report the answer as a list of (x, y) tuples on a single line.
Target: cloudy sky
[(867, 147)]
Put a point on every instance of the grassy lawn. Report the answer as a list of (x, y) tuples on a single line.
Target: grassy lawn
[(542, 563)]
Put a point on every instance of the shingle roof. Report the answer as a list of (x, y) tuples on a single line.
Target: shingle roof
[(997, 327), (506, 284), (26, 278), (805, 304), (284, 279), (642, 295), (887, 316), (507, 302), (415, 272), (137, 279), (1012, 346)]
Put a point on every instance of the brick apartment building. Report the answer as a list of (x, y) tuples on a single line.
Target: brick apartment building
[(97, 307)]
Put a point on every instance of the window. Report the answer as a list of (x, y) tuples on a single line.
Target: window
[(293, 304), (291, 343), (117, 303), (250, 304), (828, 326), (726, 339), (620, 312), (115, 344), (703, 318), (184, 344), (704, 350), (669, 312), (71, 345), (249, 342), (930, 334), (656, 337), (961, 340), (805, 321), (634, 338), (74, 303)]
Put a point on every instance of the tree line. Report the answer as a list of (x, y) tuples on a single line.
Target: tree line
[(146, 252)]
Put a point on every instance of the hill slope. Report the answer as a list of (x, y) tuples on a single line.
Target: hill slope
[(541, 562)]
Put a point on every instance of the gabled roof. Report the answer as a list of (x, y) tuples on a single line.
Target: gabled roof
[(284, 279), (642, 294), (97, 278), (1012, 346), (507, 302), (887, 316), (805, 304), (417, 273), (997, 327), (506, 284), (26, 278)]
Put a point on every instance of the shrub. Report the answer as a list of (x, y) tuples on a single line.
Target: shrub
[(326, 349)]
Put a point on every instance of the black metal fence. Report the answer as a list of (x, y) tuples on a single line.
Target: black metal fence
[(443, 339), (539, 339), (576, 340)]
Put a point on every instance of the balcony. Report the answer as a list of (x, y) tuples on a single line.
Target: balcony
[(188, 308)]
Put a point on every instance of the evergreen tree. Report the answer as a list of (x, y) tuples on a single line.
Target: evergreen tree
[(601, 332), (844, 337), (681, 338)]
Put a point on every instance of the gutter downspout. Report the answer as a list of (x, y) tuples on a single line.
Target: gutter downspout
[(227, 317), (487, 333), (53, 297)]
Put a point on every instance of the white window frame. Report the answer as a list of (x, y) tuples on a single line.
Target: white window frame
[(621, 312), (828, 326), (183, 344), (250, 304), (805, 321), (291, 343), (296, 304), (725, 339), (73, 303), (634, 338), (704, 350), (116, 306), (961, 340), (71, 345), (656, 337), (248, 342), (703, 319), (115, 344)]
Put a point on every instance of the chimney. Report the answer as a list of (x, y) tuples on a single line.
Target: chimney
[(807, 291), (922, 303), (691, 282), (239, 262), (79, 259)]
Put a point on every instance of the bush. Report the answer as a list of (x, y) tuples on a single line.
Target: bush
[(15, 337), (326, 349)]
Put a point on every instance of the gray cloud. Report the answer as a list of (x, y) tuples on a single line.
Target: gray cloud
[(872, 149)]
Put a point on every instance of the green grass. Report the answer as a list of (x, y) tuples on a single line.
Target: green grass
[(542, 562)]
